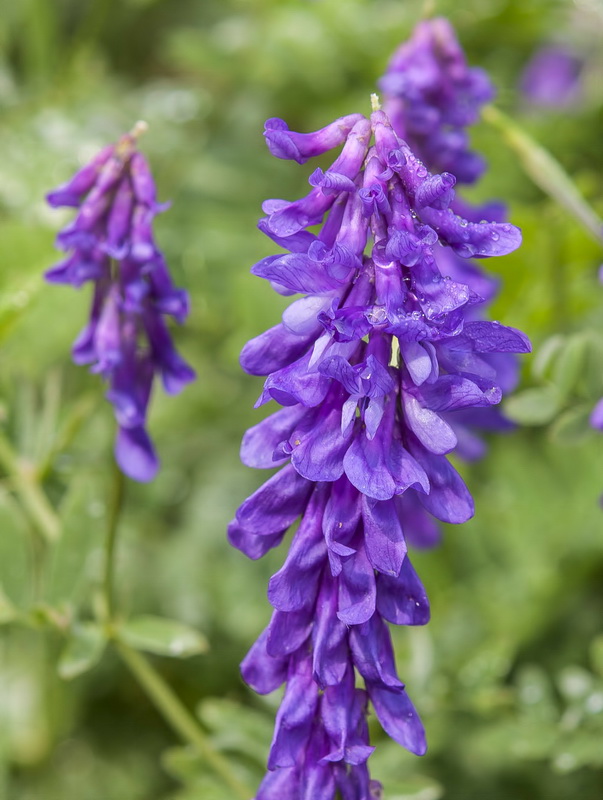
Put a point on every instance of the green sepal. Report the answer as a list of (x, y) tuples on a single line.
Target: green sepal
[(164, 637)]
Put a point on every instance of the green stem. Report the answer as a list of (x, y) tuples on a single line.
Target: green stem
[(31, 495), (160, 693), (545, 171), (115, 508), (183, 723)]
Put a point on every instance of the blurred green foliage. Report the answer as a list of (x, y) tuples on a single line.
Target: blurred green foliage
[(508, 676)]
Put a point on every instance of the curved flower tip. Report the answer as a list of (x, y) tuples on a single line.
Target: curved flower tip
[(299, 147), (135, 454)]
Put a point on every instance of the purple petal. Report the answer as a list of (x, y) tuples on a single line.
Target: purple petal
[(357, 590), (299, 147), (429, 428), (260, 442), (295, 383), (272, 350), (383, 537), (489, 337), (297, 272), (448, 499), (253, 545), (596, 417), (398, 717), (294, 720), (373, 653), (288, 631), (135, 454), (275, 505), (452, 392), (469, 239), (262, 672), (402, 600), (70, 193), (329, 638), (295, 585), (318, 454), (366, 466)]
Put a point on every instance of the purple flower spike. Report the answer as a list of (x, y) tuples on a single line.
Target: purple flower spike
[(373, 366), (126, 339)]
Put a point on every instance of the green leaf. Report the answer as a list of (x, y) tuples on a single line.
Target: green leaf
[(596, 654), (15, 568), (418, 787), (83, 650), (237, 728), (534, 406), (73, 565), (572, 426), (165, 637), (583, 749), (7, 610), (535, 694), (545, 171), (546, 355), (593, 371), (15, 301), (570, 365), (574, 682)]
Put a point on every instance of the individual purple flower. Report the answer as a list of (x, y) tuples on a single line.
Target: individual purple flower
[(371, 365), (110, 243), (552, 78)]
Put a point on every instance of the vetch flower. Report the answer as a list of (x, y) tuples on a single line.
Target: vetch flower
[(370, 366), (110, 243)]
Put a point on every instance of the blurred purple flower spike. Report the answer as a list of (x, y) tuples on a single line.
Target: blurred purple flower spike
[(552, 78), (111, 244)]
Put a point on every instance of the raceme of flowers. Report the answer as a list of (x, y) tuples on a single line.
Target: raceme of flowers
[(367, 365), (110, 243)]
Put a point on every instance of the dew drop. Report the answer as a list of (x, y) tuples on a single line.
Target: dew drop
[(494, 236)]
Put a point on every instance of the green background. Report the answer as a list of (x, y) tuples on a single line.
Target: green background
[(508, 675)]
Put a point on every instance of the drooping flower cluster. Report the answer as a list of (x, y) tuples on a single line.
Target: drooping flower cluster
[(367, 364), (111, 244)]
